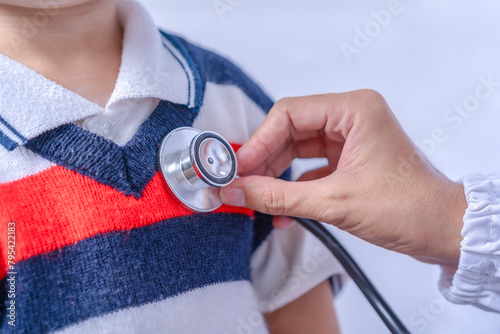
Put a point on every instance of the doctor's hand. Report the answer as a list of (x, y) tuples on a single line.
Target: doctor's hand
[(377, 185)]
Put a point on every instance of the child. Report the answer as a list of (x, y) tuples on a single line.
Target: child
[(91, 241)]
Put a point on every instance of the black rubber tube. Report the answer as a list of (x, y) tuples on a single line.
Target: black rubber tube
[(378, 303)]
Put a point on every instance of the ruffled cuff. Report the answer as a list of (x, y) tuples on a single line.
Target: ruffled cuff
[(477, 279)]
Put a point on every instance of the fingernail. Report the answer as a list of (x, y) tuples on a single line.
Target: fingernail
[(232, 196)]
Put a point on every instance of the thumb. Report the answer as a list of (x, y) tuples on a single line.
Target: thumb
[(276, 197)]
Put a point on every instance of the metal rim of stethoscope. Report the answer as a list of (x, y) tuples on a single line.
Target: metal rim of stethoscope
[(194, 164)]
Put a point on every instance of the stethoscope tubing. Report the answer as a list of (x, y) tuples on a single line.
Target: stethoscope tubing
[(388, 316)]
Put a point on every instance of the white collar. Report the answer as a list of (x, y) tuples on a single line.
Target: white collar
[(151, 66)]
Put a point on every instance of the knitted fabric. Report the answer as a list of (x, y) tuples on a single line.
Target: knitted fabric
[(98, 231), (101, 247)]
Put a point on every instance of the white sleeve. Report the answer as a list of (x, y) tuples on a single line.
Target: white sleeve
[(477, 279), (287, 264)]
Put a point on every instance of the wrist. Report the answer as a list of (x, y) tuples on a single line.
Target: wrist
[(443, 231)]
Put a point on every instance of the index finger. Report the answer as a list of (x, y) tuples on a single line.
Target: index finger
[(292, 119)]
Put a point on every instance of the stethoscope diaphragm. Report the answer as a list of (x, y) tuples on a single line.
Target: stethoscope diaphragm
[(194, 164)]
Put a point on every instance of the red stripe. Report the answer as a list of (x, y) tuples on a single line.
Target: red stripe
[(58, 207), (236, 147)]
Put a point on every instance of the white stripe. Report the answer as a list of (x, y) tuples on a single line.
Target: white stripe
[(20, 163), (221, 308), (11, 135), (288, 264), (229, 111), (187, 68)]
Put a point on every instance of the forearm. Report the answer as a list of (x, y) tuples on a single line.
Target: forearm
[(313, 312)]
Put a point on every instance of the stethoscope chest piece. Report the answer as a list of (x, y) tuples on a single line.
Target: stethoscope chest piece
[(194, 164)]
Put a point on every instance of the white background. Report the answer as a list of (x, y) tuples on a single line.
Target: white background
[(426, 59)]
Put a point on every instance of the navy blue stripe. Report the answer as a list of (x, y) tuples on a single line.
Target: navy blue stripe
[(4, 300), (339, 283), (336, 284), (127, 169), (116, 270), (262, 228), (8, 143), (14, 131)]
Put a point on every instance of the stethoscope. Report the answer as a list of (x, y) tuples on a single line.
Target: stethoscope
[(195, 163)]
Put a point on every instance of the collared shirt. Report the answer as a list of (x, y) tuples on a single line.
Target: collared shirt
[(101, 246), (151, 69)]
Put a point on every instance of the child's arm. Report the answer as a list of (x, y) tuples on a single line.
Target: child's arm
[(313, 312)]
